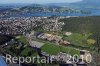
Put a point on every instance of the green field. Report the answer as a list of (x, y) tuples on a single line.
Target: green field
[(79, 39), (55, 49), (83, 25), (22, 39)]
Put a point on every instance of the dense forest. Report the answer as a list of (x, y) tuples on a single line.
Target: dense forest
[(82, 25), (86, 25)]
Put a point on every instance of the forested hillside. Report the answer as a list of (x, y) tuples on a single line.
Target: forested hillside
[(82, 25)]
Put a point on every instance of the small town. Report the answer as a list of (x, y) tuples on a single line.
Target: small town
[(20, 25), (41, 33)]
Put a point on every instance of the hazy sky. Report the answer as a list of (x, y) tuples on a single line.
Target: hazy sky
[(37, 1)]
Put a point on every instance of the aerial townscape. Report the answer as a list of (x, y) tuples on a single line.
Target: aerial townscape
[(57, 34)]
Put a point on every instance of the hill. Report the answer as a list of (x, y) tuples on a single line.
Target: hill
[(83, 25), (51, 9)]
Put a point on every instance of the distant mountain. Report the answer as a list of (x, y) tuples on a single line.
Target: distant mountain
[(87, 4), (13, 5), (51, 8), (84, 7), (81, 4)]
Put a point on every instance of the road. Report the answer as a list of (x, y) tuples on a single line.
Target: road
[(34, 43)]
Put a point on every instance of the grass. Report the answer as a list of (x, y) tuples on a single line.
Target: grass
[(22, 39), (78, 39), (26, 51), (55, 49)]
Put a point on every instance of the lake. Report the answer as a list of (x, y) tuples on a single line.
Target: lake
[(93, 12)]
